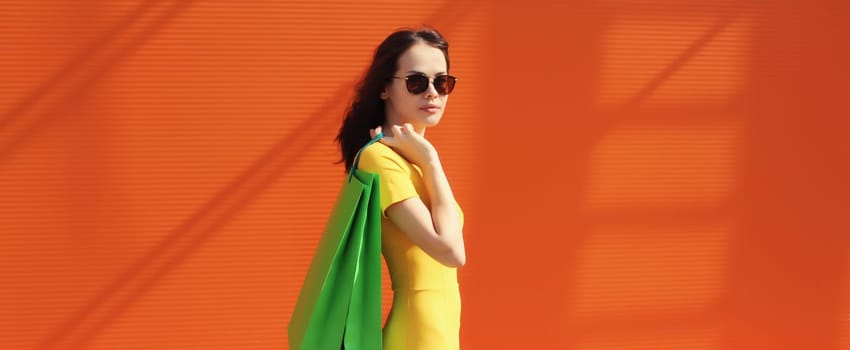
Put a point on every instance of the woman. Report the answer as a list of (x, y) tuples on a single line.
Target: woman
[(403, 93)]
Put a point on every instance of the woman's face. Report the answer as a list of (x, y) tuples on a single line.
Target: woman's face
[(424, 109)]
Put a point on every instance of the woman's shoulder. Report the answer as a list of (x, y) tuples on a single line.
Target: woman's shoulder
[(379, 150), (380, 155)]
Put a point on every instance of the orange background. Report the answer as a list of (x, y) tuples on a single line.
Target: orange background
[(635, 174)]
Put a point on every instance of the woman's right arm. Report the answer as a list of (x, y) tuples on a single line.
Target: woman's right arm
[(437, 231)]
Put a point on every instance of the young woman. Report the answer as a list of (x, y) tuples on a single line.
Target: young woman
[(403, 93)]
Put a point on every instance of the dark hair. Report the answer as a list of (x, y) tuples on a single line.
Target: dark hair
[(367, 110)]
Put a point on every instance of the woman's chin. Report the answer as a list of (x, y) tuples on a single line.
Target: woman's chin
[(431, 120), (423, 120)]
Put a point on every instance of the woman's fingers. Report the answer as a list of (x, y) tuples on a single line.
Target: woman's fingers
[(398, 129), (374, 132), (409, 128)]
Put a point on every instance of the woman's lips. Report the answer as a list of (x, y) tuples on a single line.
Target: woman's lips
[(430, 109)]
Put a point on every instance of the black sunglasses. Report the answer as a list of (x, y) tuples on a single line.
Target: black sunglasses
[(418, 83)]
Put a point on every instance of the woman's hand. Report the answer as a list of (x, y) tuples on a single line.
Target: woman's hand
[(409, 144)]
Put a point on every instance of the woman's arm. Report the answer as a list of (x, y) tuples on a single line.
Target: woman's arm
[(437, 231)]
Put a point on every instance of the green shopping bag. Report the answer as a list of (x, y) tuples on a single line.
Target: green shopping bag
[(340, 301)]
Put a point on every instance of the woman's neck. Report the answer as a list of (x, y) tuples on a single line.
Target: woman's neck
[(387, 128)]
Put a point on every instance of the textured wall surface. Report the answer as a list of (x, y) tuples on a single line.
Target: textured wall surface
[(650, 174)]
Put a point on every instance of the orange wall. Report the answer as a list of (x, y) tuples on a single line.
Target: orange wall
[(635, 175)]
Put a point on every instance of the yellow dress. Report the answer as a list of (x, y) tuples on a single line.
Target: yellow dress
[(425, 314)]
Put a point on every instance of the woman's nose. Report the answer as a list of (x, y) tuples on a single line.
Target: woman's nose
[(431, 92)]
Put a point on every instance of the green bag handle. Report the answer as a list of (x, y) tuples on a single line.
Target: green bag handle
[(356, 162)]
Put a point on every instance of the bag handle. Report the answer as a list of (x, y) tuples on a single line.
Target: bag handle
[(356, 162)]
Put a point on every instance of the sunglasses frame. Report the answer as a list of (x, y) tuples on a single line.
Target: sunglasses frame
[(451, 80)]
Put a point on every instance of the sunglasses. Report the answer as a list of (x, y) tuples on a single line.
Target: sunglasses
[(418, 83)]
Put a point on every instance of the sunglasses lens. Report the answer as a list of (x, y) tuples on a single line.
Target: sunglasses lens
[(417, 84), (444, 84)]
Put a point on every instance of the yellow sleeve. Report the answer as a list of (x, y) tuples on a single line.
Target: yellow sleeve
[(395, 182)]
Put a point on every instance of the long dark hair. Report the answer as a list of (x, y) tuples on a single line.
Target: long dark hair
[(367, 110)]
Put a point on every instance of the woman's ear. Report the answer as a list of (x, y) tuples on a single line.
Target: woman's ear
[(384, 94)]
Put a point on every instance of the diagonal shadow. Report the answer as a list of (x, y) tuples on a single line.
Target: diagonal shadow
[(55, 82), (78, 61), (640, 97), (285, 153), (175, 9), (619, 114), (184, 241)]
